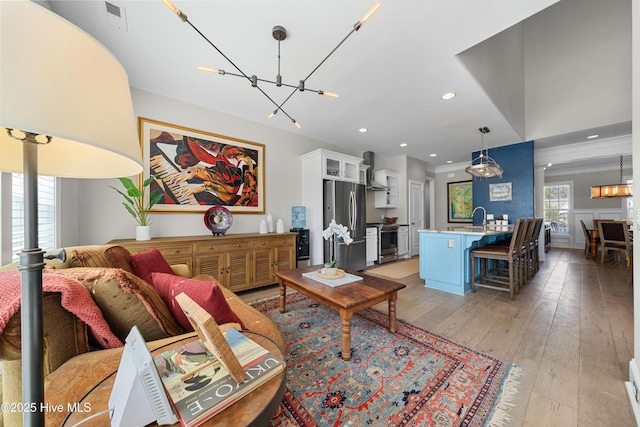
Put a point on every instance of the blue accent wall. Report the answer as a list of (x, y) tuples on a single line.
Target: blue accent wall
[(516, 161)]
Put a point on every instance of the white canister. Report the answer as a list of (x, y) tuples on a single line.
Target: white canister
[(269, 223), (280, 226), (263, 226)]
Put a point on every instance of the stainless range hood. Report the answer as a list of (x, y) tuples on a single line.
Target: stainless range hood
[(371, 183)]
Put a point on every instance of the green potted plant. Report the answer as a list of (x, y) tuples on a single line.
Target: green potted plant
[(135, 204)]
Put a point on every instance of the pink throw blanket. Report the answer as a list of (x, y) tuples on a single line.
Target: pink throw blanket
[(75, 298)]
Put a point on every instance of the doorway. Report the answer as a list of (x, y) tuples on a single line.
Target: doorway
[(416, 215)]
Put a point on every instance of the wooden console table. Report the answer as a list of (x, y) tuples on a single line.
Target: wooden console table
[(236, 261), (255, 409)]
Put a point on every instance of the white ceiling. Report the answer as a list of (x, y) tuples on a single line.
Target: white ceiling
[(390, 74)]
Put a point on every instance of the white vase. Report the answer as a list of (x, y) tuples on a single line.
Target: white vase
[(143, 232)]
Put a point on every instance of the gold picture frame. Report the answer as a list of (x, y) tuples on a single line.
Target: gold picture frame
[(196, 170)]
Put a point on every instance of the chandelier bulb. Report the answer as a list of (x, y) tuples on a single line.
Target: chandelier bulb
[(273, 113), (208, 69), (329, 94), (368, 15), (175, 10), (296, 123)]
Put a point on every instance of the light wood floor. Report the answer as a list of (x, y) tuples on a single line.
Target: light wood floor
[(570, 329)]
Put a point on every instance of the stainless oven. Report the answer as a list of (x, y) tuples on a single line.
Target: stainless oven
[(387, 242)]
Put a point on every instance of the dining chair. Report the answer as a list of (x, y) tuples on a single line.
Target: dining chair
[(508, 254), (587, 239), (614, 236)]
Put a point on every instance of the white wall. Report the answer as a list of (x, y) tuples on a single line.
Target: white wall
[(569, 83), (451, 173), (97, 209), (408, 168)]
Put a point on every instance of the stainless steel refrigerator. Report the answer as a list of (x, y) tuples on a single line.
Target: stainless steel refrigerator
[(346, 203)]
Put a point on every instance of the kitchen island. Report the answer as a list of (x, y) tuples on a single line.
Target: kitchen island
[(444, 254)]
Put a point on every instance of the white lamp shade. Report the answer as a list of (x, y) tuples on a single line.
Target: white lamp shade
[(56, 80)]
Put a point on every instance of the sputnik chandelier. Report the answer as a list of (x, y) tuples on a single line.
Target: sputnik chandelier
[(279, 33)]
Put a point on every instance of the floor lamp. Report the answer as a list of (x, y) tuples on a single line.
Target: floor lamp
[(65, 111)]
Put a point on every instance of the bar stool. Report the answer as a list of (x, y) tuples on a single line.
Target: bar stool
[(527, 249), (508, 254), (535, 248)]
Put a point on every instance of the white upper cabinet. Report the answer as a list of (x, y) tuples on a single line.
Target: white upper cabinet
[(340, 167), (387, 198)]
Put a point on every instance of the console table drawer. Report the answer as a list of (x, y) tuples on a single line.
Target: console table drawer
[(222, 247), (273, 241), (176, 251)]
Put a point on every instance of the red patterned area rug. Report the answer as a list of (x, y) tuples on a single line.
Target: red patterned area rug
[(410, 378)]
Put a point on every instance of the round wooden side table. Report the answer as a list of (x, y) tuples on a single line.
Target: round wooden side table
[(255, 409)]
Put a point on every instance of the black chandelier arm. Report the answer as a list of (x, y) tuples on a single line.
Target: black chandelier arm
[(219, 51), (242, 74), (355, 28), (331, 53), (254, 79)]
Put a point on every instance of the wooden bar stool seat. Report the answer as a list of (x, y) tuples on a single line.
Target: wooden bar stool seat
[(489, 276)]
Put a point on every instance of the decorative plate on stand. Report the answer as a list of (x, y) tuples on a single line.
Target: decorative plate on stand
[(218, 219)]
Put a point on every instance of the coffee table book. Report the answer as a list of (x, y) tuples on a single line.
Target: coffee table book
[(199, 386)]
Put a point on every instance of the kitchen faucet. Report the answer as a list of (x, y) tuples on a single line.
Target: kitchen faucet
[(484, 219)]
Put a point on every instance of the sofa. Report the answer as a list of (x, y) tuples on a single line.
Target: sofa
[(79, 353)]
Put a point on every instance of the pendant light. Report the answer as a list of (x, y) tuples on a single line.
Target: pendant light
[(612, 190), (484, 166)]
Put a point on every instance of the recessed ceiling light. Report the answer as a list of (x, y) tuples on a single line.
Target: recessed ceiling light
[(449, 161), (404, 144), (593, 136), (549, 164), (432, 155), (362, 130), (448, 95)]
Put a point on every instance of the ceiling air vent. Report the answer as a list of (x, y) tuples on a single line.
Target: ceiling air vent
[(115, 15)]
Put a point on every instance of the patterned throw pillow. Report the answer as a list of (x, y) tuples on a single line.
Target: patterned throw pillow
[(91, 257), (207, 295), (126, 300)]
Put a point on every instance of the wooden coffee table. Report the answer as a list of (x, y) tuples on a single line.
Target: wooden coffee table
[(346, 300), (255, 409)]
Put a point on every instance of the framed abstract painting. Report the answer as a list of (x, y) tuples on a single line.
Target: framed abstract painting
[(460, 201), (196, 170)]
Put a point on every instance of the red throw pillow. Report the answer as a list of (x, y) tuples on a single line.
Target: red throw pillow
[(207, 295), (148, 262)]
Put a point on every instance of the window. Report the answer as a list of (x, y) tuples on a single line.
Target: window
[(46, 214), (557, 205)]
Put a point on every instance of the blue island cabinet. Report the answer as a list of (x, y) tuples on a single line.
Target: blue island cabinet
[(444, 255)]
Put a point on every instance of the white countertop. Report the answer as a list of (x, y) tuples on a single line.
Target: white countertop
[(472, 229)]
